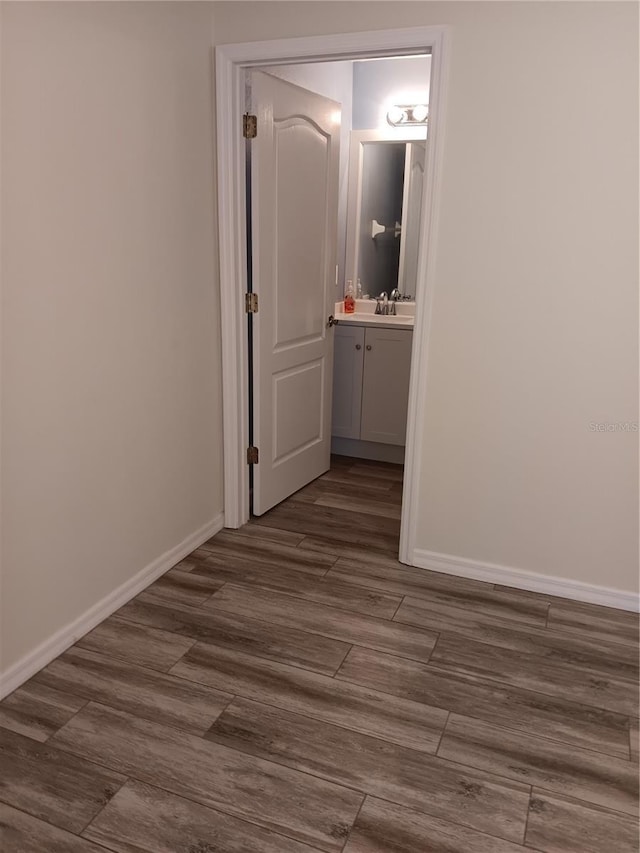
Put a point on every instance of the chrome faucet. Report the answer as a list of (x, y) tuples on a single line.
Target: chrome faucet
[(382, 303), (383, 306), (396, 296)]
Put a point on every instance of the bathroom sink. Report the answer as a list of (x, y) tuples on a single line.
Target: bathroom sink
[(365, 315), (376, 319)]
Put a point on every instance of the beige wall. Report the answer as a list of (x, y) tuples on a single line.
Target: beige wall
[(110, 340), (534, 332)]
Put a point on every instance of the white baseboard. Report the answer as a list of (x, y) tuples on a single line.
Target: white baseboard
[(43, 654), (520, 579)]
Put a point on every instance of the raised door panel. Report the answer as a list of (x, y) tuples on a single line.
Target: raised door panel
[(385, 385), (348, 358), (301, 158)]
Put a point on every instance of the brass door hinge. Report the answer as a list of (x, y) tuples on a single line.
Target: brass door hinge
[(251, 303), (249, 126), (252, 455)]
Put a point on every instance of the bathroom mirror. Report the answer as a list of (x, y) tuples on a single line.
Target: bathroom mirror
[(386, 175)]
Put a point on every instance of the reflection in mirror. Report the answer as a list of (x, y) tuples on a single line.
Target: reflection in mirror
[(385, 194), (411, 205), (381, 185)]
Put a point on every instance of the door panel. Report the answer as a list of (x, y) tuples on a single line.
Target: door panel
[(385, 385), (348, 363), (295, 427), (301, 209), (294, 187)]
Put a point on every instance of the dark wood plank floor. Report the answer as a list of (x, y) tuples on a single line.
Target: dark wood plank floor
[(290, 687)]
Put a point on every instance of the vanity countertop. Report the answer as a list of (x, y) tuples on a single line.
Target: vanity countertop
[(365, 315)]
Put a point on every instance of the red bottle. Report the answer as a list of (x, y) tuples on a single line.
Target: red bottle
[(349, 299)]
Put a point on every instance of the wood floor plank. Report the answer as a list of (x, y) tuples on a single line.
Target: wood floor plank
[(135, 644), (185, 587), (52, 785), (363, 468), (307, 494), (374, 533), (596, 778), (605, 622), (336, 548), (383, 827), (389, 575), (269, 534), (385, 494), (559, 825), (23, 833), (295, 804), (376, 767), (145, 819), (480, 600), (346, 477), (562, 601), (584, 652), (512, 707), (633, 740), (239, 633), (531, 673), (339, 462), (38, 711), (362, 504), (198, 555), (292, 582), (142, 692), (234, 568), (257, 553), (342, 625), (189, 563), (395, 719)]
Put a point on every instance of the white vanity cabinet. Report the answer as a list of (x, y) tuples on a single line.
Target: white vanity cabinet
[(371, 383)]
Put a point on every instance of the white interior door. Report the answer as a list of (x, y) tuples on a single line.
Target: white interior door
[(414, 167), (294, 209)]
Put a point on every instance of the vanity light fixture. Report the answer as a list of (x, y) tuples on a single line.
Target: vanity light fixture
[(407, 114)]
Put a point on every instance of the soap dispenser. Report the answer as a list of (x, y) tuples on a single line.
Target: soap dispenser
[(349, 300)]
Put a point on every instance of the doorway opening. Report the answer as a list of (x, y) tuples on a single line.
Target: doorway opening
[(231, 63)]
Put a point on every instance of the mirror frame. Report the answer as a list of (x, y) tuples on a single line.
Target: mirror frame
[(358, 139)]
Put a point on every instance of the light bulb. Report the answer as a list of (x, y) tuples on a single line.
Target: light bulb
[(395, 115), (420, 112)]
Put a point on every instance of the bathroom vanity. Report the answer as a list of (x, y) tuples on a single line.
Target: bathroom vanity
[(372, 362)]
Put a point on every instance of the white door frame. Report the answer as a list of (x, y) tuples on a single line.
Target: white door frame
[(231, 61)]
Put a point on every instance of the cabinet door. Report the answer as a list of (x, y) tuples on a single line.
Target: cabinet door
[(348, 357), (385, 386)]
